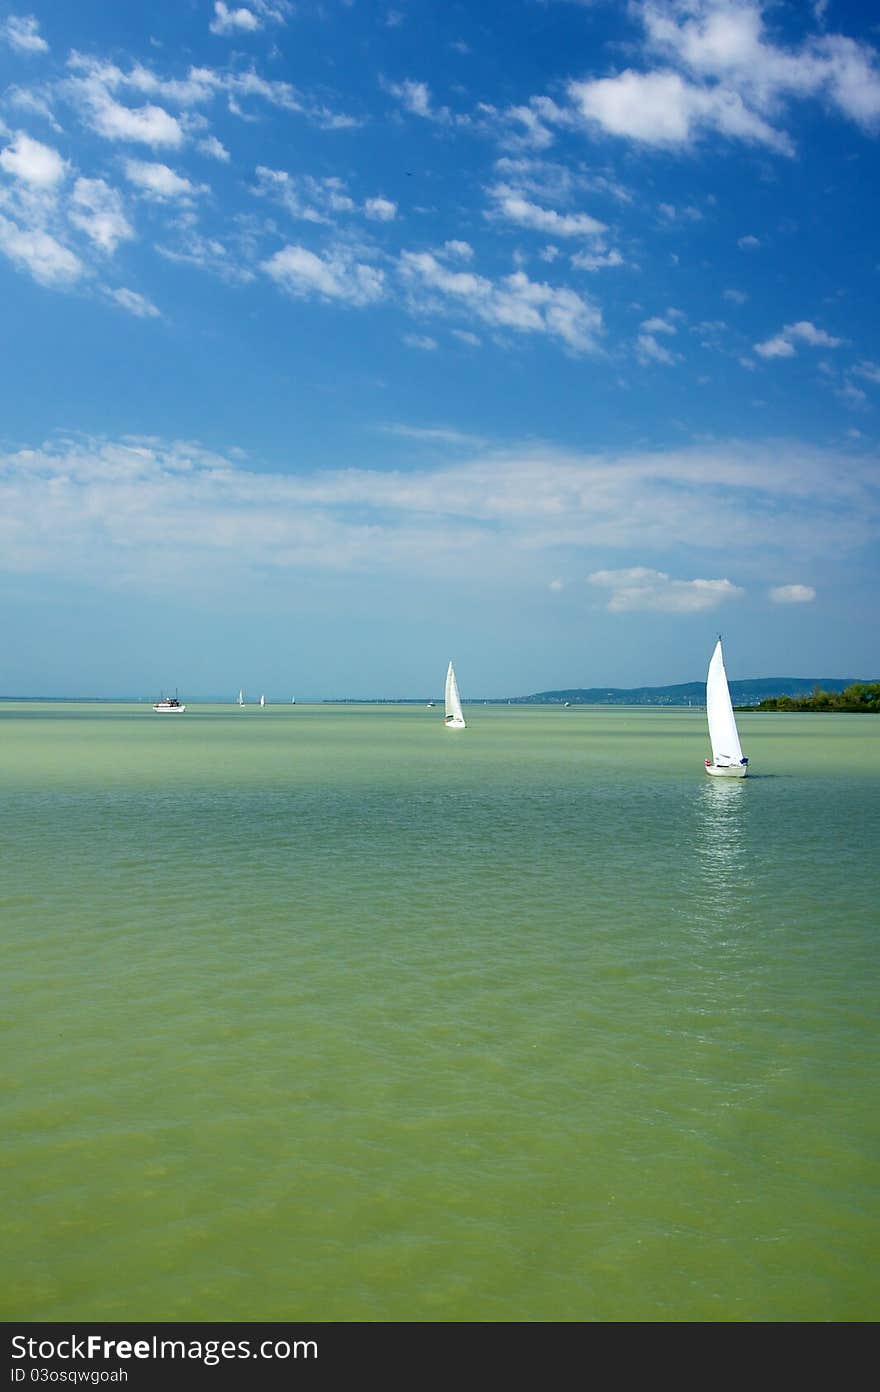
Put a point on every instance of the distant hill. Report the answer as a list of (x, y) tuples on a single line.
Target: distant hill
[(742, 693)]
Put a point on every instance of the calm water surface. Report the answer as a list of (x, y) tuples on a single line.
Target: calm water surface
[(328, 1013)]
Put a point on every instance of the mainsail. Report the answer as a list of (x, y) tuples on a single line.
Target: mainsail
[(453, 700), (723, 735)]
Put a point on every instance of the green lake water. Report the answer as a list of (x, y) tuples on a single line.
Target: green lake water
[(329, 1013)]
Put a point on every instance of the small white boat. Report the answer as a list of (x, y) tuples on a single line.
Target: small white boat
[(262, 700), (728, 760), (454, 719), (241, 698), (169, 705)]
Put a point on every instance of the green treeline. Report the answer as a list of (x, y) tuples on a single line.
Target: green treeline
[(861, 696)]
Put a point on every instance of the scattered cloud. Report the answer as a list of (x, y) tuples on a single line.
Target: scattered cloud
[(596, 260), (214, 149), (664, 110), (748, 242), (639, 588), (336, 276), (247, 19), (782, 345), (380, 209), (159, 182), (22, 32), (134, 303), (511, 205), (40, 254), (513, 302), (228, 21), (869, 370), (92, 93), (650, 350), (421, 342), (97, 210), (792, 594), (32, 162), (736, 296)]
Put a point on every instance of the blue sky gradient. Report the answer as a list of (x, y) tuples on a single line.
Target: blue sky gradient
[(343, 338)]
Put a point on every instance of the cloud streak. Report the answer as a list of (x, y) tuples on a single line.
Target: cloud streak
[(125, 509)]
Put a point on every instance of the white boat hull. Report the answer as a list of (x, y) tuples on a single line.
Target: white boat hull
[(162, 709), (452, 724), (727, 770)]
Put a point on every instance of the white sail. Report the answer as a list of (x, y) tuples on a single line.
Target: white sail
[(454, 717), (262, 700), (723, 734), (241, 698)]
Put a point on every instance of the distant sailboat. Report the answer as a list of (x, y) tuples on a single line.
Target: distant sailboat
[(728, 760), (454, 719), (241, 698), (262, 700)]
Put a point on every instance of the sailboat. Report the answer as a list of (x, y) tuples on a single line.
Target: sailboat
[(728, 760), (262, 700), (454, 719), (241, 698)]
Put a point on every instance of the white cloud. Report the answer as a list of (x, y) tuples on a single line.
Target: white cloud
[(782, 345), (658, 325), (97, 210), (415, 97), (792, 594), (214, 149), (649, 350), (511, 205), (159, 182), (421, 342), (92, 94), (461, 251), (40, 254), (736, 296), (748, 242), (638, 588), (335, 277), (596, 261), (192, 248), (380, 209), (247, 19), (134, 303), (851, 395), (23, 34), (869, 370), (124, 510), (304, 197), (227, 21), (513, 302), (724, 49), (662, 109), (778, 347), (32, 162)]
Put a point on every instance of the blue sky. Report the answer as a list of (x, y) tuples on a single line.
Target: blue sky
[(342, 338)]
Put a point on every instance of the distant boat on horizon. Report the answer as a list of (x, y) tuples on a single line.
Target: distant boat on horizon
[(262, 700), (169, 705), (241, 698), (728, 760), (454, 719)]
